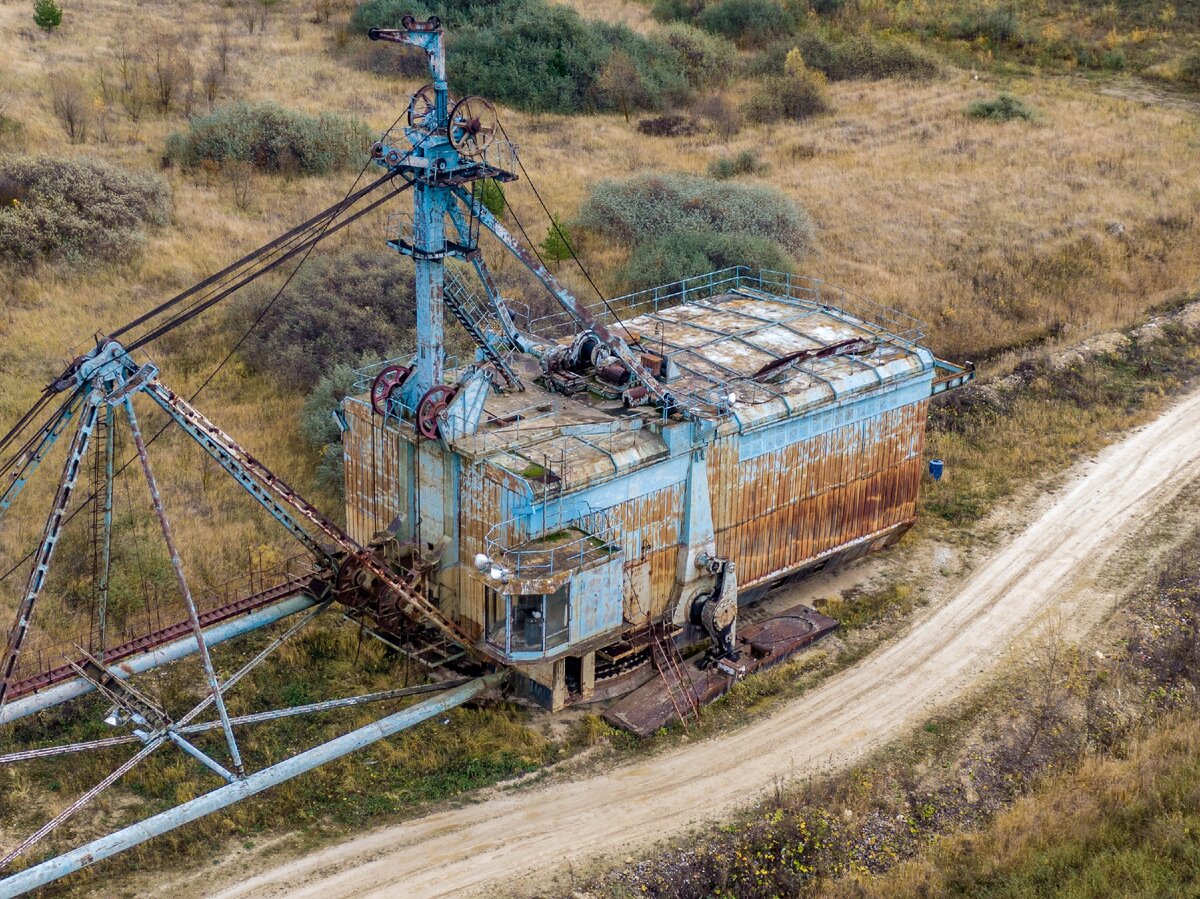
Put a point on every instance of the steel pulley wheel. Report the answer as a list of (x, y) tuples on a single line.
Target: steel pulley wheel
[(432, 403), (422, 108), (384, 384), (473, 124)]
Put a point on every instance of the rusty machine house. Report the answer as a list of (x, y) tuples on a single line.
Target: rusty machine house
[(642, 463)]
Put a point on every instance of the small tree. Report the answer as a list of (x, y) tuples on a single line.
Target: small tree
[(491, 195), (557, 245), (69, 100), (47, 15), (619, 84)]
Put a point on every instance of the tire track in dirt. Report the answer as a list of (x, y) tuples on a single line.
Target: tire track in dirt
[(520, 839)]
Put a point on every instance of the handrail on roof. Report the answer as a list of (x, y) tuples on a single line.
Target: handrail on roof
[(786, 285)]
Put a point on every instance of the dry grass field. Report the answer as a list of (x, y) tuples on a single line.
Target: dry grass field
[(998, 235)]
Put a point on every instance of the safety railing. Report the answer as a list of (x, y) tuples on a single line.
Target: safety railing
[(560, 545), (163, 609), (811, 292)]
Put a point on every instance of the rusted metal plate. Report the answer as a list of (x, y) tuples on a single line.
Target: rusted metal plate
[(761, 646)]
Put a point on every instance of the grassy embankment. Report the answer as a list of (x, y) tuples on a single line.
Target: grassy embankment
[(1072, 772)]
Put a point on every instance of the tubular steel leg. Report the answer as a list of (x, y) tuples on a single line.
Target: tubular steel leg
[(177, 564), (204, 759), (222, 797), (83, 800), (178, 649), (50, 535), (254, 662)]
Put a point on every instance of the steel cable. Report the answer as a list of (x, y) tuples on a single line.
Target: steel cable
[(562, 236)]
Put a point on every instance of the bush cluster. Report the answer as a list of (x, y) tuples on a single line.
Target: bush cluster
[(1002, 108), (674, 257), (544, 57), (744, 163), (653, 204), (669, 126), (318, 428), (678, 225), (849, 58), (60, 210), (796, 94), (272, 139), (340, 309), (1189, 68), (996, 24), (751, 23), (708, 61)]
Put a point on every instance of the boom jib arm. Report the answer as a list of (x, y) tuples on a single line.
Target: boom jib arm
[(296, 514), (620, 349)]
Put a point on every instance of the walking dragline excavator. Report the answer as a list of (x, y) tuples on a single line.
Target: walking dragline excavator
[(557, 515)]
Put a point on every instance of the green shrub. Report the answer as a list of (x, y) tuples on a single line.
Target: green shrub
[(1002, 108), (650, 205), (317, 425), (998, 25), (1113, 60), (744, 163), (677, 225), (676, 10), (546, 58), (858, 57), (491, 195), (792, 97), (557, 245), (707, 60), (272, 139), (339, 310), (751, 23), (1189, 68), (72, 211), (674, 257)]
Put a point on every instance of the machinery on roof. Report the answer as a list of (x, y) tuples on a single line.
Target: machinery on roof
[(595, 489)]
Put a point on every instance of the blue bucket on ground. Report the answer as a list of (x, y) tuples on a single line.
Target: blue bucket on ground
[(936, 467)]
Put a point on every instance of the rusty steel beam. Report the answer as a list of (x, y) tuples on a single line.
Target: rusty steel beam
[(177, 564), (45, 551), (285, 504)]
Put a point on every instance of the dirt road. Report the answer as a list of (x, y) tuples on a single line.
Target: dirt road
[(520, 839)]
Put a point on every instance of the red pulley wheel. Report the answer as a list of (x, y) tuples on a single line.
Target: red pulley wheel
[(383, 385), (432, 403)]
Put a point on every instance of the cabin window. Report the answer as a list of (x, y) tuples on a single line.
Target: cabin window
[(557, 617), (528, 622)]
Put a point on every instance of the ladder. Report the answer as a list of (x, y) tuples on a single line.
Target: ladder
[(478, 319), (669, 662)]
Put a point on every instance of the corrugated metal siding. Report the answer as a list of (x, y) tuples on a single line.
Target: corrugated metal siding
[(486, 497), (777, 511), (377, 481), (649, 528)]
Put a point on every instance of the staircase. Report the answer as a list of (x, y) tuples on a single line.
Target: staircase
[(479, 320), (670, 665)]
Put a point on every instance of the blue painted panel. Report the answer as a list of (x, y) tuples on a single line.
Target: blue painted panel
[(597, 599), (835, 415)]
